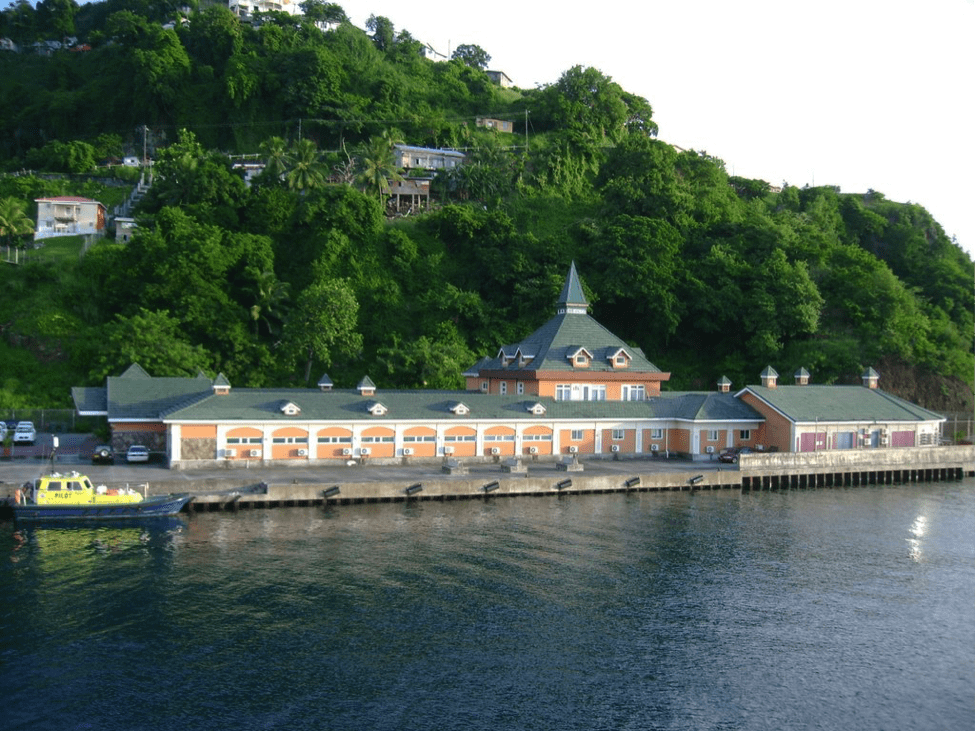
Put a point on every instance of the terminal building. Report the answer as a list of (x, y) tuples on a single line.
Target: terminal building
[(569, 388)]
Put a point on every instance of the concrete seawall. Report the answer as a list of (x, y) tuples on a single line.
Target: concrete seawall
[(292, 486), (435, 488), (755, 472)]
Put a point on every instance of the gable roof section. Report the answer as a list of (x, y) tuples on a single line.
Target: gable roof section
[(815, 403), (131, 398), (90, 401)]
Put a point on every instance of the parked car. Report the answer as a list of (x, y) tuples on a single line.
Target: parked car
[(25, 434), (137, 454), (731, 454), (3, 431), (104, 455)]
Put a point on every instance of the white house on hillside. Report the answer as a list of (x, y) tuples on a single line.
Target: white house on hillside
[(68, 216)]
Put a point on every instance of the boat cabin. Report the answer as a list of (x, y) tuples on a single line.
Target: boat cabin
[(75, 489)]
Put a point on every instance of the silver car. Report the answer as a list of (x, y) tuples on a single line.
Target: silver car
[(137, 454)]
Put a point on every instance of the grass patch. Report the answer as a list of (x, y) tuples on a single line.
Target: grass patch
[(59, 249)]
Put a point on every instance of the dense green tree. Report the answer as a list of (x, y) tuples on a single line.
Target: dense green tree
[(472, 55), (324, 12), (152, 339), (428, 362), (383, 31), (65, 157), (322, 326)]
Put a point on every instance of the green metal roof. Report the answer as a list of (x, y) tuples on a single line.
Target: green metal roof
[(263, 405), (89, 400), (148, 397), (840, 404)]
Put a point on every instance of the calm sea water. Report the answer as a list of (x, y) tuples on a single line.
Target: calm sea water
[(821, 609)]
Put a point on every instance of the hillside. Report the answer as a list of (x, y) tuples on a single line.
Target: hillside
[(306, 270)]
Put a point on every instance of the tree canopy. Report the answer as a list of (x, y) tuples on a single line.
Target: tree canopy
[(306, 267)]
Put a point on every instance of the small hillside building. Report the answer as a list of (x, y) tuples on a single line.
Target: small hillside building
[(68, 216)]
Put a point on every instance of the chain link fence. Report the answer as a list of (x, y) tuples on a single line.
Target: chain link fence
[(54, 420), (958, 429)]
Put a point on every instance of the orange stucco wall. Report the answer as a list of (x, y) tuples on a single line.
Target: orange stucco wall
[(461, 449), (627, 444), (777, 430), (586, 445), (199, 431)]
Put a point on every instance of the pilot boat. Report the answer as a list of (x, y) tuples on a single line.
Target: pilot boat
[(71, 496)]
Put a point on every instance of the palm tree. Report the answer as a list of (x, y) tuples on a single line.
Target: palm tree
[(270, 295), (14, 221), (307, 171), (376, 166), (275, 151)]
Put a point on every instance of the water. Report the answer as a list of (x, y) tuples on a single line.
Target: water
[(821, 609)]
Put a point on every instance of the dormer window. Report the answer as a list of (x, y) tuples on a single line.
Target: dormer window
[(579, 357), (290, 409), (523, 359), (536, 408), (460, 409), (377, 409), (620, 359)]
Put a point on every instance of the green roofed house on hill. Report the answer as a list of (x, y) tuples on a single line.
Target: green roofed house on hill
[(571, 387)]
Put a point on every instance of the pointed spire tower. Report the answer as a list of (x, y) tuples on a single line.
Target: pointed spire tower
[(570, 357), (572, 301)]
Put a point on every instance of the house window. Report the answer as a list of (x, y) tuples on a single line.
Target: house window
[(744, 434), (290, 440), (617, 434), (504, 388), (621, 360), (243, 440), (634, 392), (484, 386), (521, 387), (581, 360), (656, 433), (563, 392), (712, 435), (334, 440), (537, 438), (576, 435)]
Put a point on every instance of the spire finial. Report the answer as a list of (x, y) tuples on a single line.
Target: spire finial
[(572, 299)]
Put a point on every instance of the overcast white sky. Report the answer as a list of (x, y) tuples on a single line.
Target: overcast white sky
[(854, 93)]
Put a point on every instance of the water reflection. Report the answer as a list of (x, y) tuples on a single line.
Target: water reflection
[(918, 530)]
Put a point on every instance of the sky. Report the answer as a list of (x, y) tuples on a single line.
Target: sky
[(858, 94)]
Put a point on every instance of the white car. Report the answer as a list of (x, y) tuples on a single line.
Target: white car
[(25, 433), (137, 454)]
